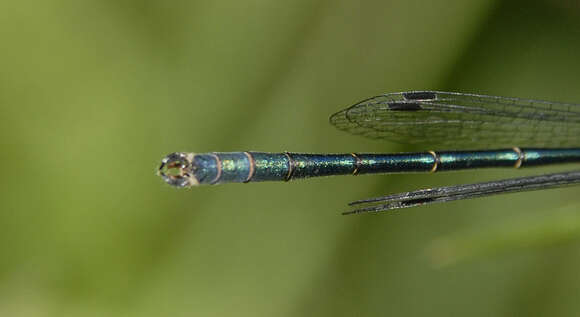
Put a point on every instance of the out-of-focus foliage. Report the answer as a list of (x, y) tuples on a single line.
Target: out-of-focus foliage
[(94, 93)]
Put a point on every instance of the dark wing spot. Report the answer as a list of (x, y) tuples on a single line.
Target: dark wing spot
[(404, 106), (420, 95)]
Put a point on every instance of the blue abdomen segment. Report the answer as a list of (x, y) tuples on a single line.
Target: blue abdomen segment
[(216, 168)]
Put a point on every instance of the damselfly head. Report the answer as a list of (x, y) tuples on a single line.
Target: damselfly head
[(177, 170)]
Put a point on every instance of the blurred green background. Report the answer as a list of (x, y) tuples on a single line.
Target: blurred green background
[(94, 93)]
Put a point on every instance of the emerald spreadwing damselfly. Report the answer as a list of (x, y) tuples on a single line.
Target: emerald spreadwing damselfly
[(507, 132)]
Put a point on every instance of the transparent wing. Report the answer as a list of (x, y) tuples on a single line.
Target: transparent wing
[(462, 120), (467, 191)]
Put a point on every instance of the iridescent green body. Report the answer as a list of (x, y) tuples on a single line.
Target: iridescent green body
[(548, 132), (242, 167)]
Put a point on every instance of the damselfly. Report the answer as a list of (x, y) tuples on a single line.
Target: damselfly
[(515, 132)]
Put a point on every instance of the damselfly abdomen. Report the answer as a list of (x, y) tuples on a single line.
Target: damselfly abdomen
[(514, 132)]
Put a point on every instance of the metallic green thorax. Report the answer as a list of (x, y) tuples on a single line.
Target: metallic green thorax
[(189, 169)]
